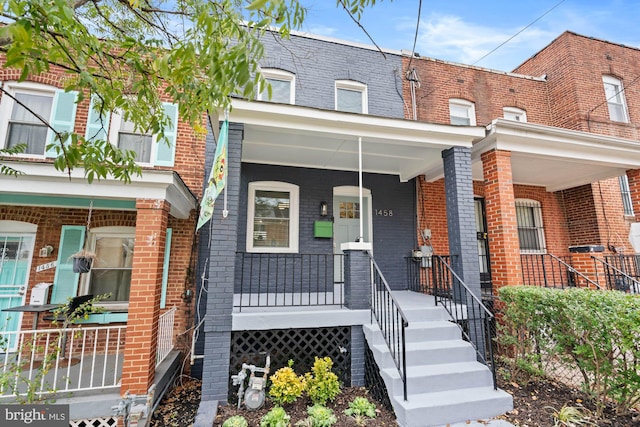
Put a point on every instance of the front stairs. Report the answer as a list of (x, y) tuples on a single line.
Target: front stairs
[(445, 382)]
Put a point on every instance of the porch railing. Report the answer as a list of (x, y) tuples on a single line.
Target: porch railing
[(621, 272), (276, 280), (33, 364), (475, 320), (165, 334), (391, 320), (551, 271)]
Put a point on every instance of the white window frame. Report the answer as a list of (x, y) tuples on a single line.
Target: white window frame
[(115, 124), (281, 75), (515, 114), (294, 201), (468, 105), (539, 225), (111, 231), (7, 104), (618, 100), (625, 195), (355, 87)]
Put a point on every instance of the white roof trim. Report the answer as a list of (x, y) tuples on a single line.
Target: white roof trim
[(44, 179)]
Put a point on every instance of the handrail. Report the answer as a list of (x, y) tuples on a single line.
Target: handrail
[(391, 320), (478, 329), (625, 275), (573, 270)]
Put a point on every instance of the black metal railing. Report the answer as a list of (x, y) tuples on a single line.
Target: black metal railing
[(550, 271), (475, 320), (277, 280), (621, 272), (391, 320)]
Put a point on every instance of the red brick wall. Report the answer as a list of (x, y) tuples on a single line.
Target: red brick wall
[(489, 90)]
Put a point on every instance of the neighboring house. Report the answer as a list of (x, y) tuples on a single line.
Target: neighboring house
[(555, 178), (141, 233)]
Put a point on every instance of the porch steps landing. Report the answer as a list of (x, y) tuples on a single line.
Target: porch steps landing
[(445, 382)]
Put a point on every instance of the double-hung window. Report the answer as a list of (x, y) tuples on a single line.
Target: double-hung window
[(111, 269), (351, 96), (515, 114), (272, 217), (614, 94), (124, 136), (462, 112), (29, 109), (625, 193), (530, 227), (282, 86)]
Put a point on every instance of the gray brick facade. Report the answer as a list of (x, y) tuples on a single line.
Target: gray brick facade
[(220, 250), (357, 280), (358, 344), (317, 64)]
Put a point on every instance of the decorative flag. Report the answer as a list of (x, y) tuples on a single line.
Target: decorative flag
[(217, 177)]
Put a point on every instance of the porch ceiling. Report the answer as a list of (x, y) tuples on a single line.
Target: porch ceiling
[(291, 135), (556, 158), (42, 185)]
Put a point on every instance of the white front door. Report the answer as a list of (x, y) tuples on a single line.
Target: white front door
[(346, 220), (16, 251)]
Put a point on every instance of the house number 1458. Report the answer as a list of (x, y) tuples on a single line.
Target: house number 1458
[(384, 212)]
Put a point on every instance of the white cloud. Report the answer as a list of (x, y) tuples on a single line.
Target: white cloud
[(451, 38), (321, 30)]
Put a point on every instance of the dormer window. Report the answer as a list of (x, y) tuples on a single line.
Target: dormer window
[(282, 86)]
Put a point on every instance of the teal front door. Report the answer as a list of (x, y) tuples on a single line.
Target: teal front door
[(16, 251)]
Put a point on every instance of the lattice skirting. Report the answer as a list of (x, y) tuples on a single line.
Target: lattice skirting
[(373, 381), (299, 345), (95, 422)]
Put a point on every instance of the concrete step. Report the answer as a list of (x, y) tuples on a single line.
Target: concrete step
[(437, 330), (441, 408), (440, 377), (436, 352)]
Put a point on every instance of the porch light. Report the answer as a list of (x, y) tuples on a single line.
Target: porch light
[(323, 209)]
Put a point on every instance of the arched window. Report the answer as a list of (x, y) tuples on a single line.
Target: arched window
[(462, 112), (514, 113), (530, 227), (351, 96), (282, 86)]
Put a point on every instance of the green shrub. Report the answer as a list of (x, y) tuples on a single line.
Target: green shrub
[(321, 416), (235, 421), (286, 386), (276, 417), (360, 409), (595, 333), (322, 385)]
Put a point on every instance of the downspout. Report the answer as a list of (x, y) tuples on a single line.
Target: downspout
[(414, 82)]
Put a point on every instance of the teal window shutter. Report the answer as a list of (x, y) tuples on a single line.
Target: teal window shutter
[(165, 153), (97, 124), (165, 269), (65, 281), (63, 116)]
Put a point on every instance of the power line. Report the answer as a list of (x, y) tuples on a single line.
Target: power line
[(415, 37), (500, 45)]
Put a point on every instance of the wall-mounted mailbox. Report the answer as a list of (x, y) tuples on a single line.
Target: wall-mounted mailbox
[(323, 229)]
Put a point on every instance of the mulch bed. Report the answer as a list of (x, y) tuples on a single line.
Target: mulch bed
[(534, 404)]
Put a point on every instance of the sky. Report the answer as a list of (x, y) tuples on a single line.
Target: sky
[(464, 31)]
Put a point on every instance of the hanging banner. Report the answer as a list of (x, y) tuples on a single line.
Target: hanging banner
[(217, 177)]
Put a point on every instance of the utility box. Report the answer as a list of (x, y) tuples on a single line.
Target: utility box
[(40, 294), (323, 229)]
